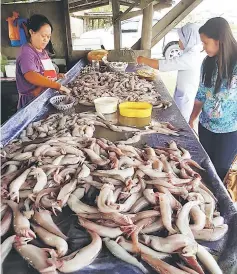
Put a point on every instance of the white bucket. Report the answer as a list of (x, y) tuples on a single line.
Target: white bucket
[(106, 105), (10, 70)]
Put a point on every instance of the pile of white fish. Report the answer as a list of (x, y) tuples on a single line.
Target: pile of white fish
[(121, 194), (83, 125), (124, 86), (57, 125)]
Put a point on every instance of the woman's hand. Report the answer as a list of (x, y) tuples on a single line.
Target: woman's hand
[(64, 90), (191, 123), (197, 108), (153, 63), (61, 76)]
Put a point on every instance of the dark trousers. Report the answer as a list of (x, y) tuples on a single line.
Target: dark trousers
[(221, 148)]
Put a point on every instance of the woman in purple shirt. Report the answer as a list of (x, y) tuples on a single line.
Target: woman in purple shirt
[(34, 69)]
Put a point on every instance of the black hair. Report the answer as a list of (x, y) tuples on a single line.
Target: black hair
[(219, 29), (37, 21)]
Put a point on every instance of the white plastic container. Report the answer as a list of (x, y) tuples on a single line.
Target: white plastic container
[(10, 70), (106, 105)]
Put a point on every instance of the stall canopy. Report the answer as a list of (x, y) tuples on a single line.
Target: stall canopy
[(79, 5)]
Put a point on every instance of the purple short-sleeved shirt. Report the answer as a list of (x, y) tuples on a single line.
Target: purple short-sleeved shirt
[(28, 60)]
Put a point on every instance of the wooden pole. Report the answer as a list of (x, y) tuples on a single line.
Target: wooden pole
[(68, 30), (147, 27), (117, 24), (85, 24), (156, 7), (120, 17), (172, 18)]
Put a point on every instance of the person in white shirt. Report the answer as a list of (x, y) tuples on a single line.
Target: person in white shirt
[(188, 65)]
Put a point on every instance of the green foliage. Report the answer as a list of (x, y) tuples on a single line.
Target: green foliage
[(102, 23), (3, 62), (107, 8)]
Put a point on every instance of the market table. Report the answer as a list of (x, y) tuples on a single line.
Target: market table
[(226, 248)]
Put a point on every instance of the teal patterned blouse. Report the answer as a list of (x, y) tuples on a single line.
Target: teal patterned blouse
[(219, 111)]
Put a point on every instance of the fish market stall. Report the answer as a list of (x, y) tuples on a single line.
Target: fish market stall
[(105, 188)]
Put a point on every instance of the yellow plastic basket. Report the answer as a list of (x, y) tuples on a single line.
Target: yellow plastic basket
[(145, 74), (135, 109)]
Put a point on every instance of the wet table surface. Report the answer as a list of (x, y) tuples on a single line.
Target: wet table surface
[(226, 248)]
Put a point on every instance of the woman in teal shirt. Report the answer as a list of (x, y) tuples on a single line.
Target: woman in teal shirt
[(216, 98)]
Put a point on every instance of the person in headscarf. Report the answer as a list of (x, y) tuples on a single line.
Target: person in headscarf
[(188, 65)]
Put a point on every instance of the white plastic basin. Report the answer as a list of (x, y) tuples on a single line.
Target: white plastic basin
[(10, 70), (106, 105)]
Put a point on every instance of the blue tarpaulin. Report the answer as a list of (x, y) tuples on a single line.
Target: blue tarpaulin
[(226, 248)]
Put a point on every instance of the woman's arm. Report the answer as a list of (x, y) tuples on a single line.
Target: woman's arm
[(199, 100), (39, 80), (195, 113), (183, 62), (27, 62), (149, 62)]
